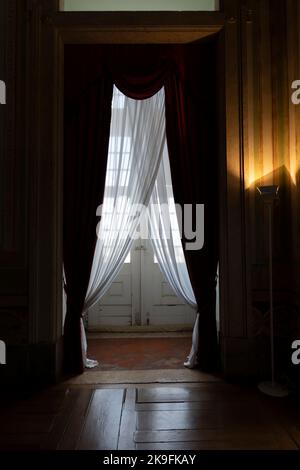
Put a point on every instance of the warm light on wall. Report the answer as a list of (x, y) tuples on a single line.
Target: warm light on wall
[(269, 175), (294, 168)]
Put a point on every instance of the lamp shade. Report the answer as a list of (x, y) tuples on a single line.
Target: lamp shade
[(269, 193)]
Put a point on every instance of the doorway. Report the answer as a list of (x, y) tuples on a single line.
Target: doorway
[(132, 297)]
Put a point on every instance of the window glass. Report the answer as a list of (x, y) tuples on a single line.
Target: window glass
[(139, 5), (128, 258)]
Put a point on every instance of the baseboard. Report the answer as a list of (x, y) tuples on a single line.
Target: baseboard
[(141, 329)]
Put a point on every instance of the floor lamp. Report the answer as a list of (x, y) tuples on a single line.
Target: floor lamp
[(269, 194)]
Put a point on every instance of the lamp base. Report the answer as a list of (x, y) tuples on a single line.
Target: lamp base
[(273, 389)]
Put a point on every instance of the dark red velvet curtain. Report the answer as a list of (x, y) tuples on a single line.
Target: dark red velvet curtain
[(191, 123), (87, 127), (140, 71), (188, 74)]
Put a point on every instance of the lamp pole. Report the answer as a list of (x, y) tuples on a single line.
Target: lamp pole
[(269, 195), (270, 225)]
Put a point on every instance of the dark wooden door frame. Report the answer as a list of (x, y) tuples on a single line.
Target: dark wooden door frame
[(48, 31)]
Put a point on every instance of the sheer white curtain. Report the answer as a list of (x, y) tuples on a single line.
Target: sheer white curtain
[(166, 233), (138, 176), (137, 138), (166, 241)]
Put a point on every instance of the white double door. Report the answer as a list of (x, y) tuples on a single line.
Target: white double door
[(140, 295)]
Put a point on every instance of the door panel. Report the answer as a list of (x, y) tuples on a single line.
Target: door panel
[(109, 315), (140, 295), (115, 308), (172, 315), (161, 305), (120, 291)]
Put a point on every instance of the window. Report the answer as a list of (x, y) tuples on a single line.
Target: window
[(118, 101), (119, 148), (139, 5), (115, 168)]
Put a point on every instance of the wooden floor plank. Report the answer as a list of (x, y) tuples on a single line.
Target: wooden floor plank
[(101, 429), (61, 420), (128, 422), (228, 408), (69, 422), (166, 420), (191, 419), (237, 439), (35, 402), (169, 446), (205, 392), (76, 420), (173, 406), (28, 423), (212, 446), (28, 441), (287, 413)]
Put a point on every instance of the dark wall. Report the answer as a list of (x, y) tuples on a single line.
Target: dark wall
[(271, 126)]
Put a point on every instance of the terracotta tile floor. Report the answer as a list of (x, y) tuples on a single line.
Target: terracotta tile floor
[(139, 353)]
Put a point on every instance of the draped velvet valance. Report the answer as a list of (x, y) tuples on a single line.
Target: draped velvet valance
[(188, 73)]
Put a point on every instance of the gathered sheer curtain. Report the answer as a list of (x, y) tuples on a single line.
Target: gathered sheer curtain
[(165, 233), (137, 138), (138, 177), (165, 236)]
